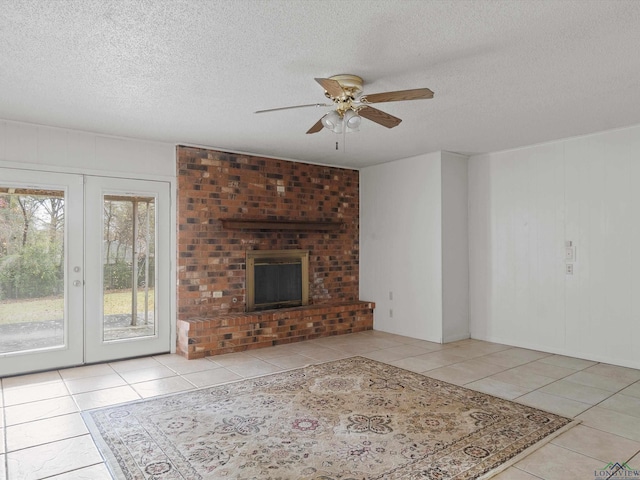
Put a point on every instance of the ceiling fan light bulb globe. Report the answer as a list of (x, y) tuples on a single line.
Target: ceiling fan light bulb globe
[(352, 119), (330, 120)]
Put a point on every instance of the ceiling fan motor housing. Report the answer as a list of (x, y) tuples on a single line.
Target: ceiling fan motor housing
[(351, 84)]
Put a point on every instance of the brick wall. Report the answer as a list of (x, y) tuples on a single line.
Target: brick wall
[(214, 185)]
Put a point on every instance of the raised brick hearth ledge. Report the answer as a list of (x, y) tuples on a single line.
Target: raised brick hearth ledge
[(201, 337)]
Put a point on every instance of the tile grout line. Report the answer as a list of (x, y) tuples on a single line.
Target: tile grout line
[(616, 393), (528, 473), (55, 441), (589, 456), (556, 380), (77, 469), (535, 389)]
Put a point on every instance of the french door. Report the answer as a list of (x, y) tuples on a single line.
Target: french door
[(127, 233), (84, 269), (41, 271)]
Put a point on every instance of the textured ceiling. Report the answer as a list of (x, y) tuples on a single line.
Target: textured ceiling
[(505, 73)]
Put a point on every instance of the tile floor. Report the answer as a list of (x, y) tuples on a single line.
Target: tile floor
[(42, 434)]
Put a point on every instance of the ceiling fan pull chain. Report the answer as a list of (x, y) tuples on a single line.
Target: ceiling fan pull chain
[(344, 138)]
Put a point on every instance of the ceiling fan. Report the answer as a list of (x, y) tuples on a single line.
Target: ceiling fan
[(351, 105)]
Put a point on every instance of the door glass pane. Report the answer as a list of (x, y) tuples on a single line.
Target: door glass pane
[(129, 277), (32, 312)]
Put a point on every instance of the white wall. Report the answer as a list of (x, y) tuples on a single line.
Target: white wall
[(401, 244), (455, 248), (524, 205), (24, 145)]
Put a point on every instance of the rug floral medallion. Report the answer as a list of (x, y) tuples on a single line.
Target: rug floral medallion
[(351, 419)]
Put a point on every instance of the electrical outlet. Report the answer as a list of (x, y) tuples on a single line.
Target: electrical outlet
[(390, 295), (391, 313), (217, 294), (569, 269)]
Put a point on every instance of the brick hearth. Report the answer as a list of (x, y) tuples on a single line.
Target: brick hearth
[(201, 337), (215, 186)]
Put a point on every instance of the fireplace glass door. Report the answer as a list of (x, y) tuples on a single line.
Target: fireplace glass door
[(278, 283), (277, 279)]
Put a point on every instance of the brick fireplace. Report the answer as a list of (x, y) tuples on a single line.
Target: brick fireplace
[(230, 204)]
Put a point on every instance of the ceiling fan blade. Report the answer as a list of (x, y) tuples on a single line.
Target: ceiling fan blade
[(316, 127), (400, 95), (296, 106), (331, 86), (378, 116)]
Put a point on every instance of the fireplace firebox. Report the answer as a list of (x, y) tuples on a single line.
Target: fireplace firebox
[(277, 279)]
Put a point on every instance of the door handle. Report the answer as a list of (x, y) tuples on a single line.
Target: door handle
[(77, 283)]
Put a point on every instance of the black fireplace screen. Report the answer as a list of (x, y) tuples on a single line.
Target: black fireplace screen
[(278, 284), (277, 279)]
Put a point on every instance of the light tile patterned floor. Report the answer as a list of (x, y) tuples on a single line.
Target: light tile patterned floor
[(42, 434)]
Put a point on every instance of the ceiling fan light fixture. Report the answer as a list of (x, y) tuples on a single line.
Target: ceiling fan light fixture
[(352, 120), (338, 127), (331, 120)]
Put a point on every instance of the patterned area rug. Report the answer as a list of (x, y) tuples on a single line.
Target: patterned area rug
[(351, 419)]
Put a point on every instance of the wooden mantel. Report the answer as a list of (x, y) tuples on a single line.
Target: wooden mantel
[(266, 224)]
